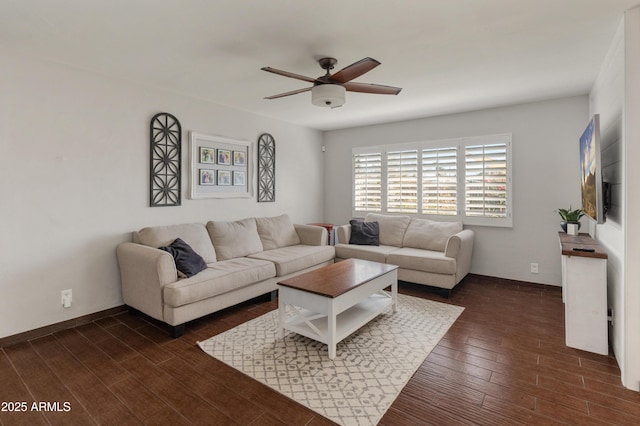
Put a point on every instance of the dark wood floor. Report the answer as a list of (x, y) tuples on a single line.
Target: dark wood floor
[(503, 362)]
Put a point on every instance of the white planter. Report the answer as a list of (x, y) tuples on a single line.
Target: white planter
[(572, 228)]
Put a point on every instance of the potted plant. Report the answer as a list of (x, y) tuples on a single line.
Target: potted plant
[(570, 217)]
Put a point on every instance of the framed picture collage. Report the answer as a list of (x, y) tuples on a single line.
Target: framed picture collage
[(220, 167)]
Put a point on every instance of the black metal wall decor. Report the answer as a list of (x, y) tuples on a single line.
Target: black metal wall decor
[(266, 168), (166, 142)]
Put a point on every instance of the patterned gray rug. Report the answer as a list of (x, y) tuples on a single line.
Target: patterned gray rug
[(370, 369)]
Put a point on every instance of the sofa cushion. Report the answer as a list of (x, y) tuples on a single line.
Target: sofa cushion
[(429, 234), (373, 253), (234, 239), (194, 234), (392, 228), (219, 278), (423, 260), (188, 262), (364, 233), (276, 232), (296, 258)]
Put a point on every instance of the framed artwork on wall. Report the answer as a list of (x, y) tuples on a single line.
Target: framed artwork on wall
[(207, 177), (220, 167), (224, 157), (239, 178), (207, 155), (224, 177), (239, 158)]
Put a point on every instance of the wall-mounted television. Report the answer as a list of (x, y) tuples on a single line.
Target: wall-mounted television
[(594, 190)]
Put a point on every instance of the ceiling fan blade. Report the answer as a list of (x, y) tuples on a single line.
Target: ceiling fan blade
[(293, 92), (289, 74), (354, 70), (377, 89)]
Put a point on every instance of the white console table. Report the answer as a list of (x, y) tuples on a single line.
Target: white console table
[(584, 293)]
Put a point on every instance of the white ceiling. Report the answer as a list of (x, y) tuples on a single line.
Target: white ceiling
[(447, 55)]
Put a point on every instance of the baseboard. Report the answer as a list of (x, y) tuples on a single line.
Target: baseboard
[(50, 329), (64, 325), (513, 281)]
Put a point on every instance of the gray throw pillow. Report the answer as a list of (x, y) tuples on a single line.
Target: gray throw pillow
[(188, 262), (364, 233)]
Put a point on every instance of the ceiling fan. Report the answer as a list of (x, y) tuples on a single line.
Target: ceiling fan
[(329, 90)]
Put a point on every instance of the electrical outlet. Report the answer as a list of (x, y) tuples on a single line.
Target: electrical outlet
[(534, 268), (66, 297), (610, 315)]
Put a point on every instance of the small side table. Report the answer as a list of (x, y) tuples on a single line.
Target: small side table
[(584, 291), (329, 228)]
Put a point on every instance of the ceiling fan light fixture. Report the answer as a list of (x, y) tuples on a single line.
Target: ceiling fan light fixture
[(328, 95)]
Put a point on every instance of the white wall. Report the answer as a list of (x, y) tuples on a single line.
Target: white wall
[(75, 182), (616, 97), (631, 374), (545, 177), (607, 98)]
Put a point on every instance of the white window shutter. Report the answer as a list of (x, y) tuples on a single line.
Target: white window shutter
[(466, 179), (402, 181), (440, 181), (486, 178), (367, 175)]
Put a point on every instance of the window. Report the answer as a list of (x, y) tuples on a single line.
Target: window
[(402, 181), (463, 179), (367, 177), (440, 181), (486, 181)]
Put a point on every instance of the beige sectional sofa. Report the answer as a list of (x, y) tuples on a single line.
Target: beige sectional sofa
[(427, 252), (242, 259)]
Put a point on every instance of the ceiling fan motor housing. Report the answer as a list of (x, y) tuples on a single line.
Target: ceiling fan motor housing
[(327, 63), (328, 95)]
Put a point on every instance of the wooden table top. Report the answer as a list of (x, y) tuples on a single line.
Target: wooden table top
[(324, 225), (581, 241), (338, 278)]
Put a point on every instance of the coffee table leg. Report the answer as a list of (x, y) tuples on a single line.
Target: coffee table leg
[(281, 314), (394, 295), (331, 331)]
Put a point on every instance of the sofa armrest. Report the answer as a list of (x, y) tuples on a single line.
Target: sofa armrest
[(343, 234), (312, 235), (460, 247), (144, 271)]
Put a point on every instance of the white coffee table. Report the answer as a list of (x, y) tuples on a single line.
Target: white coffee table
[(332, 302)]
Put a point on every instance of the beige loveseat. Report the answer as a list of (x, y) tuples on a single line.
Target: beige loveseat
[(427, 252), (242, 260)]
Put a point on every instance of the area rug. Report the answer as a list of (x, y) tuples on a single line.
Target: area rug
[(370, 369)]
